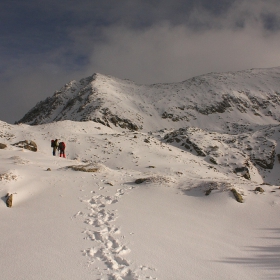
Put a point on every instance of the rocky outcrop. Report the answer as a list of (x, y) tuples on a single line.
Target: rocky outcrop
[(181, 136), (91, 167), (121, 122), (243, 171), (3, 146), (267, 161), (259, 189), (28, 145), (141, 180), (174, 117), (218, 107), (9, 200), (237, 195), (122, 103)]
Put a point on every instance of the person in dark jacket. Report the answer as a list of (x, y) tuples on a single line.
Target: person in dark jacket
[(55, 146)]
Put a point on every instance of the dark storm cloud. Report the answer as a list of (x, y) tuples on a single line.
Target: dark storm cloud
[(34, 26), (50, 20), (45, 44), (271, 21)]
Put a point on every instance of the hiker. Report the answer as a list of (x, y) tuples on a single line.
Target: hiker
[(54, 145), (61, 148)]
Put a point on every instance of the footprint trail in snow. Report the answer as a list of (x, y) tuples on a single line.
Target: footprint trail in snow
[(108, 250)]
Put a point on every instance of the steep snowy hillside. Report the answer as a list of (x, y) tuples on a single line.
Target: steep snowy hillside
[(134, 205), (230, 120), (151, 184), (211, 100)]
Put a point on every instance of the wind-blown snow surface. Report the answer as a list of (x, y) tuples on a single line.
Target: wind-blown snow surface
[(67, 224)]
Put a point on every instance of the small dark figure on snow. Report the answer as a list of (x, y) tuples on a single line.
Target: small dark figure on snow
[(61, 148), (54, 145)]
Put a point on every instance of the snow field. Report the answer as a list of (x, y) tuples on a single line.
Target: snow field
[(67, 224)]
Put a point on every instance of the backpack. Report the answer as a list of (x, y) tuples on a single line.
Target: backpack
[(61, 146), (52, 143)]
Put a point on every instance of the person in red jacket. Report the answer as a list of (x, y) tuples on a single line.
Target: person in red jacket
[(61, 148)]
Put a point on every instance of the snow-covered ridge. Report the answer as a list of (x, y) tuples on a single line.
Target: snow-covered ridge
[(150, 183), (230, 119), (104, 225), (250, 97)]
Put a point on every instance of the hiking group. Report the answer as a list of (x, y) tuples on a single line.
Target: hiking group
[(58, 146)]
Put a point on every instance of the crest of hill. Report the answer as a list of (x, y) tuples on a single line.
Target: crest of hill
[(214, 99)]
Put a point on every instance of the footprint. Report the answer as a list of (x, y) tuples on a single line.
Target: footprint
[(107, 248)]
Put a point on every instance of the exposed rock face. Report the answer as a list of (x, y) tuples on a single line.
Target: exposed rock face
[(259, 189), (237, 195), (219, 107), (3, 146), (247, 176), (228, 119), (243, 171), (84, 101), (243, 148), (267, 162), (122, 103), (181, 136), (141, 180), (88, 167), (28, 145), (207, 192), (155, 179), (213, 160), (9, 201), (124, 123)]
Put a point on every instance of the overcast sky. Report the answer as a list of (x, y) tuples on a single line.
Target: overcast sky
[(47, 43)]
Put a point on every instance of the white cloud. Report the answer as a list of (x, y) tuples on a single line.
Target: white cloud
[(162, 52), (167, 53)]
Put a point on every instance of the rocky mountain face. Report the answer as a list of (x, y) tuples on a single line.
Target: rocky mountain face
[(230, 119), (251, 96)]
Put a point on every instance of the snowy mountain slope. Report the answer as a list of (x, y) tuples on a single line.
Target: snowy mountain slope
[(67, 224), (253, 149), (158, 203), (231, 119), (255, 152), (249, 97)]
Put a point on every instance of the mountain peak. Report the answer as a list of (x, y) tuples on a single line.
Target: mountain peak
[(250, 96)]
